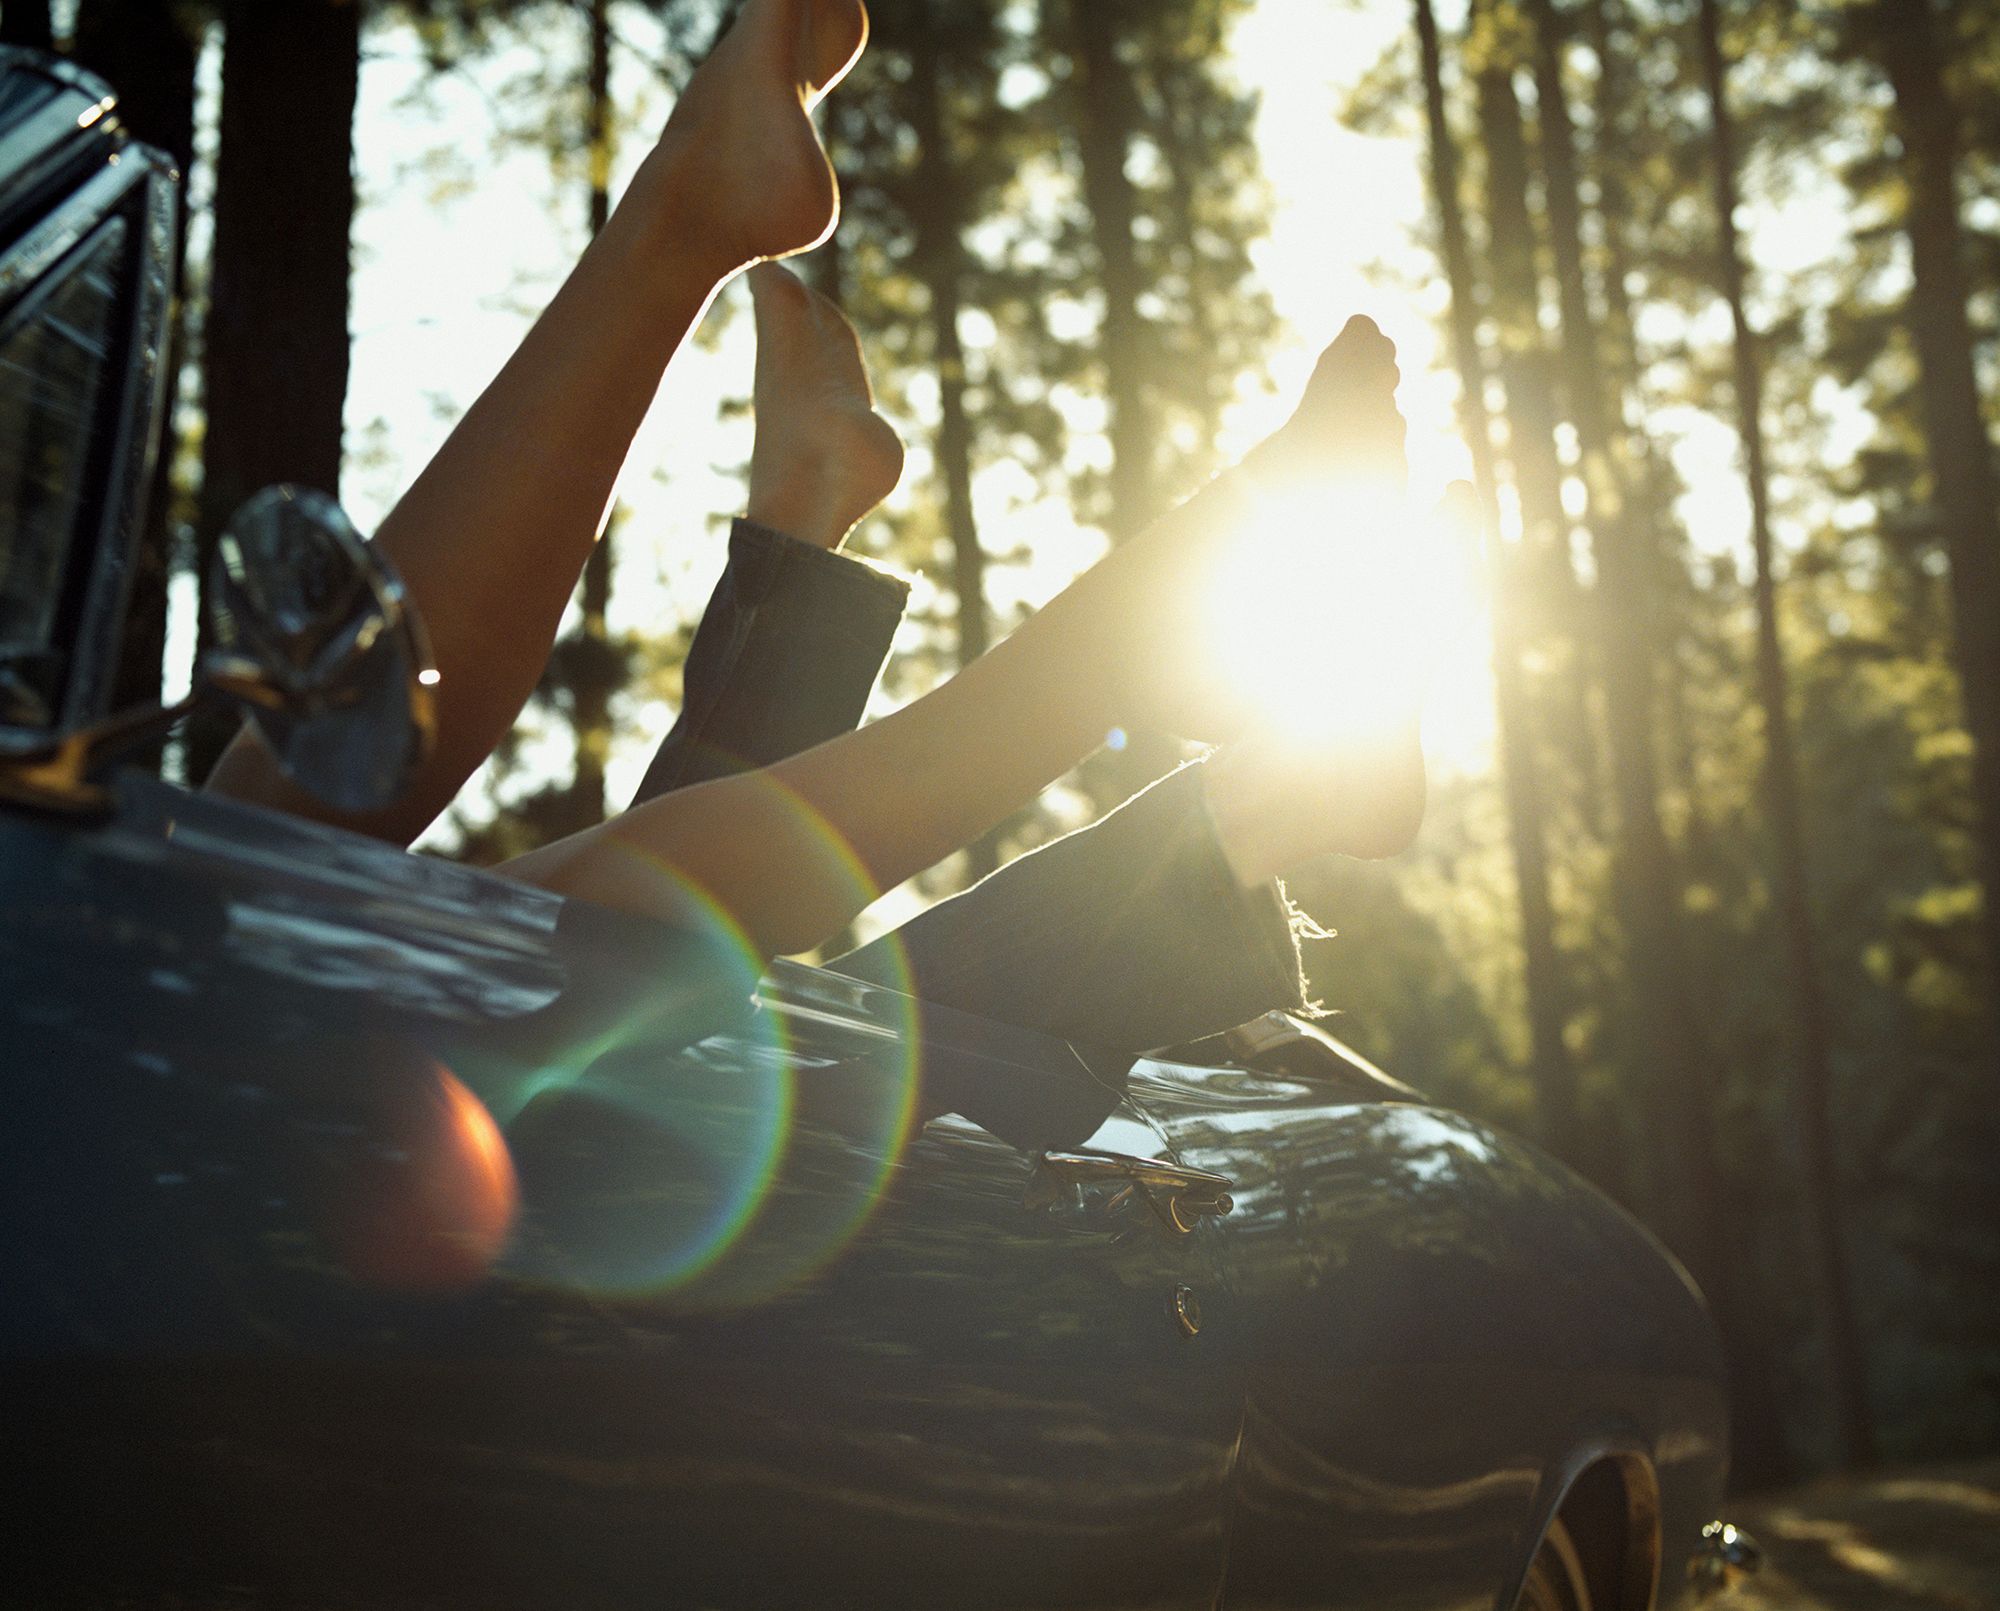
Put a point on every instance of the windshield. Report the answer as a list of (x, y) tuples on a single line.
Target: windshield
[(52, 377)]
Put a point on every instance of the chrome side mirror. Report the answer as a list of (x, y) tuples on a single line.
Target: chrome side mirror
[(319, 645), (316, 644)]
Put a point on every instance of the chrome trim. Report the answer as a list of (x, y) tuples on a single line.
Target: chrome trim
[(1180, 1196), (43, 245), (122, 515), (1725, 1557)]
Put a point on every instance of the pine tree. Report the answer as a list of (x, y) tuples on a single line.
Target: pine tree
[(1814, 1078), (1550, 1070), (1903, 36)]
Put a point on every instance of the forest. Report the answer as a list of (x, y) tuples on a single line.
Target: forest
[(1711, 914)]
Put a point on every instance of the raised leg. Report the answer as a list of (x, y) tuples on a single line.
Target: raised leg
[(795, 635), (491, 537), (795, 851)]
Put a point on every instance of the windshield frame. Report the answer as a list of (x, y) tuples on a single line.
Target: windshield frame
[(135, 184)]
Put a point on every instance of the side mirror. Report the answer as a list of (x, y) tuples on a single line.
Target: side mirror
[(319, 645), (316, 643)]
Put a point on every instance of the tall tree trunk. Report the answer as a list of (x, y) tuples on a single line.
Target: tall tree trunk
[(1675, 1062), (1179, 138), (593, 664), (147, 50), (1106, 116), (1549, 1066), (1646, 877), (27, 22), (275, 347), (1813, 1098), (940, 254), (1616, 107), (1965, 487), (1547, 578)]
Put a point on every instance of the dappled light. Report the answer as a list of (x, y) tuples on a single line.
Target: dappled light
[(1920, 1540)]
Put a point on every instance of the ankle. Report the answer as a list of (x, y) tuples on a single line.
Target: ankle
[(663, 212), (800, 510), (1275, 809)]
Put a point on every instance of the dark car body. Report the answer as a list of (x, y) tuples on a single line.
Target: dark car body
[(384, 1233)]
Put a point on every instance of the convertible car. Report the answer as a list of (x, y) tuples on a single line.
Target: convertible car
[(381, 1233)]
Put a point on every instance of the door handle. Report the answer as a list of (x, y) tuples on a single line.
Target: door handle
[(1180, 1196)]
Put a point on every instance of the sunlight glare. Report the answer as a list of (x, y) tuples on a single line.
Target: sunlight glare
[(1328, 631)]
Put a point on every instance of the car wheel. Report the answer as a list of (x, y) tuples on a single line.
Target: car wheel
[(1555, 1577)]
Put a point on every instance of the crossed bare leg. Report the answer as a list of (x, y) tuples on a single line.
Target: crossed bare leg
[(492, 535), (911, 788)]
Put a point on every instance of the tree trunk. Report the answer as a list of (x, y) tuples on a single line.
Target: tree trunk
[(1106, 117), (275, 344), (27, 22), (1179, 138), (1614, 104), (1965, 488), (1547, 578), (1675, 1061), (1813, 1098), (147, 52), (594, 667), (940, 255), (1549, 1066)]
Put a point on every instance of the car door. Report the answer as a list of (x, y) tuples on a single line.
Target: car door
[(388, 1234)]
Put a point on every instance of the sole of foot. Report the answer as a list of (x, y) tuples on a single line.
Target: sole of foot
[(739, 162), (823, 457)]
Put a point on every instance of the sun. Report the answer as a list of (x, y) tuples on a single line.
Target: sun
[(1329, 611)]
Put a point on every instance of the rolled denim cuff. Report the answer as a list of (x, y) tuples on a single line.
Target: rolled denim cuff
[(1130, 934), (784, 658)]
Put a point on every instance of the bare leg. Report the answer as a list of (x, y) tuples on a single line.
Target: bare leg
[(906, 791), (792, 641), (491, 537)]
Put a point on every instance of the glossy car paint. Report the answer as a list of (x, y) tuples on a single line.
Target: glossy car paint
[(384, 1234), (1441, 1325), (890, 1381), (228, 1032)]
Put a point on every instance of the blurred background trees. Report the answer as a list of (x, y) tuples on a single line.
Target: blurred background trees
[(1717, 283)]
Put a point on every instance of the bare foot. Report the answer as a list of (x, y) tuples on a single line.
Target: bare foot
[(1352, 782), (739, 164), (1260, 545), (1347, 426), (823, 457)]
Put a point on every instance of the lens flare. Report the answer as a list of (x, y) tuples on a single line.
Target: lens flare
[(655, 1130), (424, 1199), (854, 1111)]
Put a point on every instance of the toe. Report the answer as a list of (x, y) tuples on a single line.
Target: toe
[(1360, 358)]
